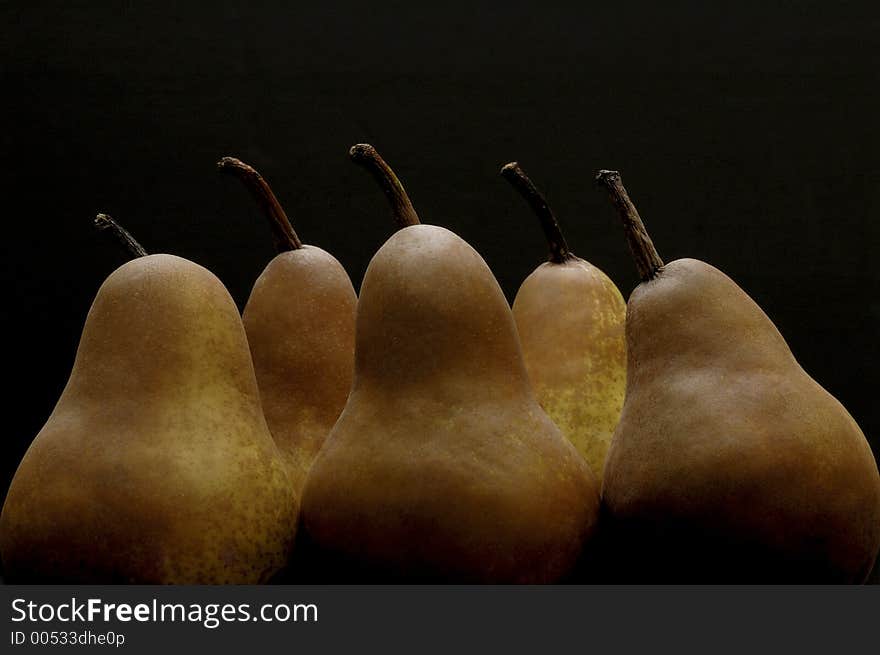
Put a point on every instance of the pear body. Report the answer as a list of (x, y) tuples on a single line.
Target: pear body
[(156, 465), (299, 321), (443, 467), (570, 317), (731, 464)]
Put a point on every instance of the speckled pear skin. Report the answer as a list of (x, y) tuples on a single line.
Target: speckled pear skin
[(300, 326), (443, 467), (731, 464), (571, 317), (156, 465)]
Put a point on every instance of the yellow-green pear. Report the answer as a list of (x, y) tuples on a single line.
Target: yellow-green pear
[(570, 317)]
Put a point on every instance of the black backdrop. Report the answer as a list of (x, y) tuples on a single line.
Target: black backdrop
[(747, 137)]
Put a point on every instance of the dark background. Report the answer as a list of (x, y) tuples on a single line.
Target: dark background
[(748, 137)]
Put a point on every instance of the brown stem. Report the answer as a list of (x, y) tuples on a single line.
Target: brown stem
[(644, 253), (517, 177), (366, 155), (285, 237), (106, 224)]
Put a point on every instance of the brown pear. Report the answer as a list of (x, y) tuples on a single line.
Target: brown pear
[(156, 465), (299, 321), (730, 463), (443, 466), (570, 317)]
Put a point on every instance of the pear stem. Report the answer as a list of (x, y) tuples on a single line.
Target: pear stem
[(106, 223), (644, 253), (559, 251), (285, 237), (402, 209)]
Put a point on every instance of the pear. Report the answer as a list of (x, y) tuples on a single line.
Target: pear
[(730, 463), (570, 317), (156, 465), (442, 466), (299, 321)]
